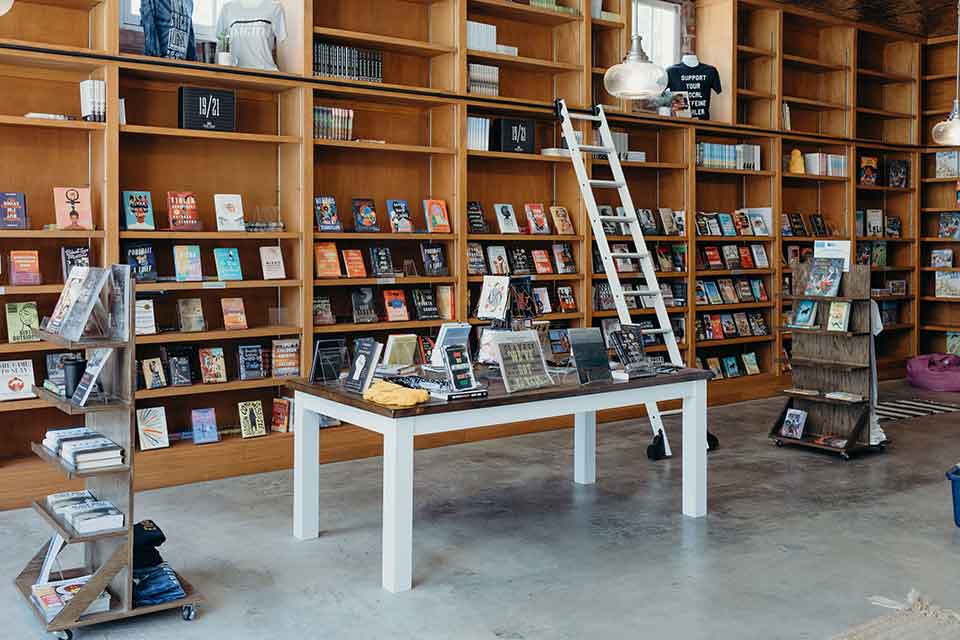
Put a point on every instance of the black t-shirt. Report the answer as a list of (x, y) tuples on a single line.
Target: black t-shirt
[(697, 81)]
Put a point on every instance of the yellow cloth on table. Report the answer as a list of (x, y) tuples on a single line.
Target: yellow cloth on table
[(393, 395)]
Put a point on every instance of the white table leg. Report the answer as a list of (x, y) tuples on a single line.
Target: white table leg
[(306, 471), (585, 447), (398, 507), (695, 450)]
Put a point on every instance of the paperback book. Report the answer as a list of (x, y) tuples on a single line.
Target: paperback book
[(138, 211), (23, 322), (252, 422), (13, 210), (190, 315), (73, 211), (400, 220), (325, 210), (204, 424), (182, 211), (271, 263), (506, 218), (213, 367), (152, 428), (435, 214), (228, 263), (186, 263), (365, 215), (142, 262), (229, 212), (234, 314)]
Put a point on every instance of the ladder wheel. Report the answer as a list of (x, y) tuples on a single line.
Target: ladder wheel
[(66, 634), (188, 612)]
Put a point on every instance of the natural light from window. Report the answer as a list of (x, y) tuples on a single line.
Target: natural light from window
[(658, 23)]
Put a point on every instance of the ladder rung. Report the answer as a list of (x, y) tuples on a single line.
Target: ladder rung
[(630, 256), (584, 116), (592, 148), (645, 293), (607, 184), (622, 219)]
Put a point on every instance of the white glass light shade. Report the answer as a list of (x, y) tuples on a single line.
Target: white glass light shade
[(947, 132), (5, 6), (635, 80)]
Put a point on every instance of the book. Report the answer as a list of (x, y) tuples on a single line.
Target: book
[(541, 261), (353, 263), (323, 311), (568, 303), (731, 256), (894, 227), (182, 211), (204, 424), (71, 257), (727, 226), (181, 373), (77, 301), (947, 284), (399, 212), (325, 210), (476, 262), (363, 305), (536, 218), (152, 428), (668, 222), (227, 260), (563, 257), (16, 380), (494, 297), (839, 316), (271, 263), (72, 206), (425, 303), (280, 415), (22, 322), (521, 360), (562, 224), (797, 224), (366, 355), (476, 220), (13, 210), (589, 351), (213, 368), (446, 302), (949, 226), (401, 349), (750, 364), (142, 262), (190, 315), (459, 369), (234, 315), (714, 365), (435, 215), (286, 357), (138, 211), (153, 374), (395, 305), (953, 342), (228, 208), (497, 256), (434, 261), (941, 258), (365, 215), (746, 256), (819, 225), (898, 173), (250, 361), (520, 262), (541, 300), (878, 254), (804, 314), (648, 223), (947, 164), (731, 368), (760, 256), (25, 267), (793, 424), (252, 423), (186, 263), (326, 262), (96, 360), (869, 170), (785, 229), (425, 346), (825, 274), (874, 221), (145, 321), (506, 218)]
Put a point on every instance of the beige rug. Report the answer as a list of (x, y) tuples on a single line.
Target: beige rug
[(917, 620)]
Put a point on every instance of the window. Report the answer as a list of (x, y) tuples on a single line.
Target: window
[(658, 23), (204, 16)]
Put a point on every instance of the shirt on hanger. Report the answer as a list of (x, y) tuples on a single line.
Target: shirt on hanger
[(697, 82), (254, 32), (168, 29)]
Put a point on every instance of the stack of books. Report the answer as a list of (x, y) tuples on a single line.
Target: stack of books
[(481, 36), (52, 597), (478, 134), (352, 63), (711, 155), (484, 79), (824, 164), (82, 511), (83, 448)]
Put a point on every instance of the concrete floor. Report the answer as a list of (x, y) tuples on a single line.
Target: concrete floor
[(505, 546)]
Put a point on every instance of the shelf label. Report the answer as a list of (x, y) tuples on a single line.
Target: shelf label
[(386, 281), (215, 285)]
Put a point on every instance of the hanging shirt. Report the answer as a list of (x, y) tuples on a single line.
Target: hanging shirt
[(168, 29), (254, 32), (697, 81)]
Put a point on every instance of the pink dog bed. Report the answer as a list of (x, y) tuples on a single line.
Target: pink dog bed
[(935, 372)]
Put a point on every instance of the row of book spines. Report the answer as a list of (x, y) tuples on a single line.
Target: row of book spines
[(478, 133), (714, 155), (345, 61), (334, 123)]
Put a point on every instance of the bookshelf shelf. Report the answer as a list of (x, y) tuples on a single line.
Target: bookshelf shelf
[(398, 281), (609, 25), (347, 327), (214, 335), (803, 62), (28, 347), (705, 344), (419, 236), (10, 406), (524, 237), (68, 533), (818, 105), (50, 234), (386, 43), (886, 77), (733, 272), (735, 307), (538, 277), (521, 62), (883, 113), (747, 51), (611, 313), (23, 121), (520, 12), (752, 94), (92, 406), (32, 289), (385, 147), (71, 472), (526, 157), (198, 389), (216, 284), (226, 136), (208, 235), (735, 172), (813, 177)]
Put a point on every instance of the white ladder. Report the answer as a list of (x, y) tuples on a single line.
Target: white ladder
[(651, 288)]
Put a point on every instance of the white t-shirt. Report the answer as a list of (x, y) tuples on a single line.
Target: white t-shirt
[(254, 32)]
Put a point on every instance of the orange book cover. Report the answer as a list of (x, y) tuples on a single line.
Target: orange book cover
[(435, 213), (326, 262), (72, 206), (353, 261), (541, 261), (395, 302), (24, 267), (280, 416), (746, 258), (234, 316), (182, 211)]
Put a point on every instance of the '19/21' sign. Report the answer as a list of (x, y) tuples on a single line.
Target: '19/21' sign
[(209, 109)]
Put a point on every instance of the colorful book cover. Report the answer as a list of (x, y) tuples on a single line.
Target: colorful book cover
[(476, 263), (286, 357), (153, 374), (395, 303), (947, 284), (25, 268), (869, 169), (326, 262), (16, 380), (280, 415), (953, 343), (541, 261), (727, 227), (234, 315), (434, 261), (204, 423), (563, 257), (152, 428), (71, 257), (750, 363), (353, 261), (145, 321), (536, 218), (13, 210), (138, 211), (562, 223), (22, 322), (186, 263), (252, 422), (731, 369), (190, 315), (400, 220), (213, 367), (72, 205), (435, 214), (182, 211), (825, 274), (143, 264), (566, 299), (325, 209), (497, 257), (805, 314), (323, 311), (228, 263), (839, 316), (229, 211), (878, 254), (271, 263), (793, 424), (250, 361), (941, 258), (949, 226), (365, 215), (898, 173)]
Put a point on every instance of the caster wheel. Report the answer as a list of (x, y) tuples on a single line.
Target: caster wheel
[(188, 612), (845, 456), (779, 443), (62, 635)]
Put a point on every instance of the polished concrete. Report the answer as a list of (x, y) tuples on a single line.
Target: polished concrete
[(505, 546)]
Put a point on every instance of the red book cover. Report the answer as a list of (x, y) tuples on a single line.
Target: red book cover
[(280, 417), (746, 258), (353, 261), (541, 261), (536, 218), (717, 325), (395, 302), (182, 211), (713, 257), (24, 267)]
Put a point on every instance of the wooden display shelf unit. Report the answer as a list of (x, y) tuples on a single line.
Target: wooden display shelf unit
[(887, 88)]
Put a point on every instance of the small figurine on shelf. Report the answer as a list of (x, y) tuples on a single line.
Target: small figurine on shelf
[(796, 162)]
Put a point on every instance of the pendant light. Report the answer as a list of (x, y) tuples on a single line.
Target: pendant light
[(947, 132), (5, 6), (636, 77)]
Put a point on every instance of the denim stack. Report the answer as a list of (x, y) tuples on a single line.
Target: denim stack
[(154, 582)]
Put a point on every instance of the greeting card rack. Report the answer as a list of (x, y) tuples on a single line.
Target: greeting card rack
[(828, 361), (108, 555)]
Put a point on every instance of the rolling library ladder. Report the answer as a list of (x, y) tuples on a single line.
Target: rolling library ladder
[(651, 289)]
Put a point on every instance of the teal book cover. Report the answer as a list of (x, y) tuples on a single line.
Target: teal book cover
[(138, 211), (186, 263), (228, 264)]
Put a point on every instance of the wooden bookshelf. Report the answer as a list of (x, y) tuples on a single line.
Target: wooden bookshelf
[(887, 88)]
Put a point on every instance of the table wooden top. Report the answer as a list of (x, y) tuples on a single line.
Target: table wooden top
[(497, 394)]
